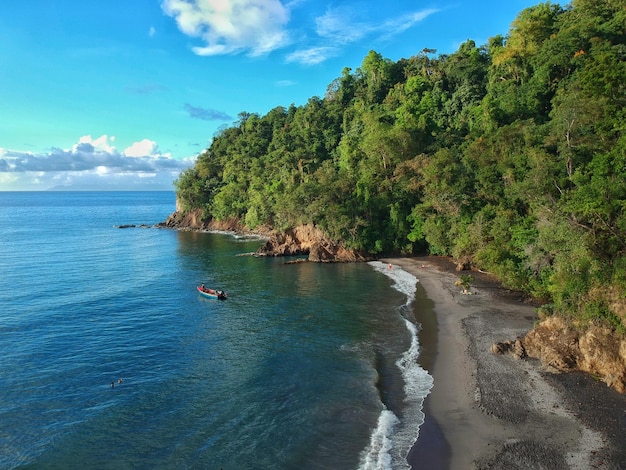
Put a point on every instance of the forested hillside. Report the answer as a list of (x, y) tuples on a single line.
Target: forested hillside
[(509, 156)]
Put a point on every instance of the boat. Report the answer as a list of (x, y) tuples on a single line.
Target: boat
[(212, 293)]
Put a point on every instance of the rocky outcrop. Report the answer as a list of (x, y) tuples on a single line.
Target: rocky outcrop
[(301, 240), (308, 240), (193, 220), (595, 350)]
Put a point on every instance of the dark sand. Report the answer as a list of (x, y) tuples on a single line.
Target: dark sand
[(496, 412)]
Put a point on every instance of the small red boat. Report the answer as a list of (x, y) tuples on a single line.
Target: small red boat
[(212, 293)]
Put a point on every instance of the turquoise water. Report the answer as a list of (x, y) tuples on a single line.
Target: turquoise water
[(304, 366)]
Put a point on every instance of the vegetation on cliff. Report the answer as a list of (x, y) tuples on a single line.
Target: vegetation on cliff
[(509, 156)]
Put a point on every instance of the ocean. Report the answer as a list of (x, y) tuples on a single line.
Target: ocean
[(110, 358)]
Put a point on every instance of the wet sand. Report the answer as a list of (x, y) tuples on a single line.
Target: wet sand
[(489, 411)]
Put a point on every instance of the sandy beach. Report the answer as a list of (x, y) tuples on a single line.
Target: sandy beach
[(493, 411)]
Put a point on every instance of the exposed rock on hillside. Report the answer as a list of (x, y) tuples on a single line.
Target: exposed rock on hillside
[(193, 220), (308, 239), (562, 346), (301, 240), (595, 350)]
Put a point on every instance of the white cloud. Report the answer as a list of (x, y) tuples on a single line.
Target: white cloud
[(340, 24), (401, 24), (143, 148), (232, 26), (312, 56), (337, 25), (344, 25), (151, 31), (285, 83), (101, 144), (7, 179)]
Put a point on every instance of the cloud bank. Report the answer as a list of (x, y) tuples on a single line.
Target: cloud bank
[(91, 162)]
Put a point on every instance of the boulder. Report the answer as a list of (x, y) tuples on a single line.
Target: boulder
[(594, 349), (512, 348)]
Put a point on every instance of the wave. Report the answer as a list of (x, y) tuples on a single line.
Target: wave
[(404, 282), (393, 437)]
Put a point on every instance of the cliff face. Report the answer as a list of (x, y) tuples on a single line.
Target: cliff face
[(561, 347), (560, 344), (301, 240), (308, 239), (193, 220), (595, 350)]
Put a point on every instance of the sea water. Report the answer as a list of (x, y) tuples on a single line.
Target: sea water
[(109, 358)]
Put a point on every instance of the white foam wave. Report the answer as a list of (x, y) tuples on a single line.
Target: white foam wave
[(403, 281), (417, 385), (237, 235), (378, 454), (393, 438), (417, 380)]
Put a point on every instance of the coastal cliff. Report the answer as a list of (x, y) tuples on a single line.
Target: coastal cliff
[(308, 239), (193, 220), (301, 240)]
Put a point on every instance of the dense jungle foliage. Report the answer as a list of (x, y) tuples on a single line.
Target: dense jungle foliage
[(510, 156)]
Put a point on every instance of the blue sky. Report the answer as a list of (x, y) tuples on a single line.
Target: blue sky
[(123, 94)]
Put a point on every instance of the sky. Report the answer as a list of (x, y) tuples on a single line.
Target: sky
[(124, 94)]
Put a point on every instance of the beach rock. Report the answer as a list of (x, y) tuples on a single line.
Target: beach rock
[(512, 348), (519, 351), (563, 347)]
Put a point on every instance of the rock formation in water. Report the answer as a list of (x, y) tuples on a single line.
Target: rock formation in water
[(302, 240)]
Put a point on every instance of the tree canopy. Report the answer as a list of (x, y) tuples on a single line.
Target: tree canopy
[(510, 156)]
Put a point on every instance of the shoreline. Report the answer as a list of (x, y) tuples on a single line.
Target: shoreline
[(488, 411)]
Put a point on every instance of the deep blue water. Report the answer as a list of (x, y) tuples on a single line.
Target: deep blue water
[(304, 366)]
